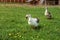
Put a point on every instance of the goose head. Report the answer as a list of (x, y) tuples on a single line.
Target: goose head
[(46, 8), (28, 16)]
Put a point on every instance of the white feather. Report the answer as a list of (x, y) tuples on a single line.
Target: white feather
[(33, 21)]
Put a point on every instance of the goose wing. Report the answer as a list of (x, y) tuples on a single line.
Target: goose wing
[(37, 20)]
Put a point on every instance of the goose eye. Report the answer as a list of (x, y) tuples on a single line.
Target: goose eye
[(26, 17)]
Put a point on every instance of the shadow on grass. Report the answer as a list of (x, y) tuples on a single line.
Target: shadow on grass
[(39, 28)]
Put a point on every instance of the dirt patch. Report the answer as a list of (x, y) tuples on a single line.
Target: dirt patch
[(25, 5)]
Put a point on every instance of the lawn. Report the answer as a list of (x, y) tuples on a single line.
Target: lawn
[(14, 26)]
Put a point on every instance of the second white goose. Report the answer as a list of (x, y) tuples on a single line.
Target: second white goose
[(48, 14)]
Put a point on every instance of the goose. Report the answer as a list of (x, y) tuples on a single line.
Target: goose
[(48, 14), (34, 22)]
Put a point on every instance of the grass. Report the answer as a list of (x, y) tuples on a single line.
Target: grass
[(13, 25)]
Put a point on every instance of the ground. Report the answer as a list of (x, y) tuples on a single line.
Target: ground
[(13, 25)]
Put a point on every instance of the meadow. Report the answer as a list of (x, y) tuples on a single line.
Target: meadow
[(14, 26)]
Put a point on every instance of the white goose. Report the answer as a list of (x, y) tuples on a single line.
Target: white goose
[(34, 22), (48, 14)]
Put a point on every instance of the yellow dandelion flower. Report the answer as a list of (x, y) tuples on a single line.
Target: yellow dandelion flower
[(20, 36), (10, 34)]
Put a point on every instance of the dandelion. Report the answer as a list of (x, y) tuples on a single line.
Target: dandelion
[(20, 36), (10, 34)]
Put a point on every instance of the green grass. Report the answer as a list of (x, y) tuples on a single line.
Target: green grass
[(13, 25)]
